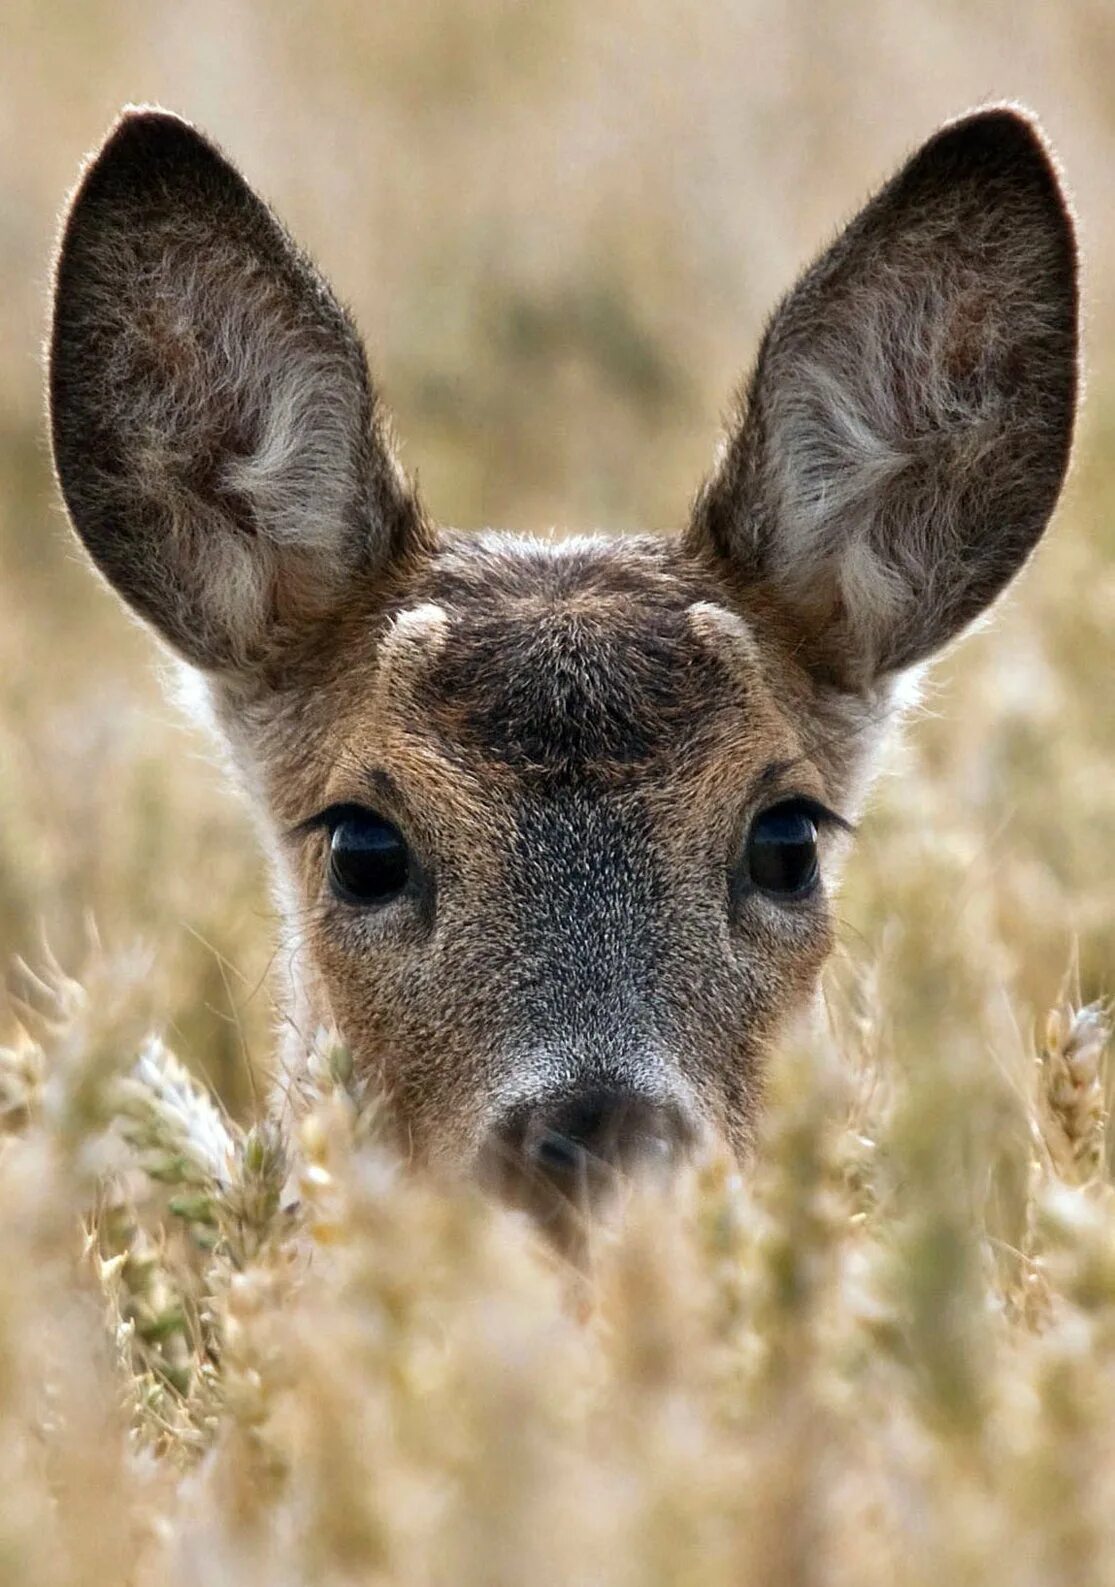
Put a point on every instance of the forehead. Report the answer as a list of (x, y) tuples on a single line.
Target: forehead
[(585, 657)]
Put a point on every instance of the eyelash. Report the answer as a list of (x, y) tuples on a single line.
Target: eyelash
[(822, 817), (330, 818)]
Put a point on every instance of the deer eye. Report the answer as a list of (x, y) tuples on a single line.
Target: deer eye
[(369, 862), (781, 855)]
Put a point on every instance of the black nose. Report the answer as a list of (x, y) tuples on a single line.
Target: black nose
[(571, 1148)]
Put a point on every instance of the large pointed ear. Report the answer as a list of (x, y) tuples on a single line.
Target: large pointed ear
[(218, 443), (904, 436)]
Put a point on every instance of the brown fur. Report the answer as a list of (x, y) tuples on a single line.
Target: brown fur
[(573, 738)]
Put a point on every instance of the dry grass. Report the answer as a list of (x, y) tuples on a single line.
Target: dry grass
[(886, 1355)]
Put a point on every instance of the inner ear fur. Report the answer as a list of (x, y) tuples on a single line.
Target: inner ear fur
[(903, 439), (218, 442)]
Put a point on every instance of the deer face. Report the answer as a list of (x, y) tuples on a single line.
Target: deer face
[(558, 839), (556, 827)]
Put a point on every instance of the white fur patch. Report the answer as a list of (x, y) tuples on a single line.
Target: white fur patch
[(724, 631), (413, 640)]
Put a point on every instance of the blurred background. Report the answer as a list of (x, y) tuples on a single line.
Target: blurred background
[(560, 226)]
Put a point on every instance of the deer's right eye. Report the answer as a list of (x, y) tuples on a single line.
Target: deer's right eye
[(369, 862), (781, 854)]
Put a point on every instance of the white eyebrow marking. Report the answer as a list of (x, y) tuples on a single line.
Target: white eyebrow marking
[(428, 619), (414, 639), (724, 630)]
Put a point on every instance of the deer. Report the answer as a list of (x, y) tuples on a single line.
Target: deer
[(556, 825)]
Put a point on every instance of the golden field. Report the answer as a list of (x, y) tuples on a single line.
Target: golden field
[(884, 1353)]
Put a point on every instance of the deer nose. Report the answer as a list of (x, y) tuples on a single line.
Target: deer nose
[(570, 1149)]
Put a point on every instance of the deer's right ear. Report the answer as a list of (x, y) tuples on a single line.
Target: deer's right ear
[(216, 436), (903, 439)]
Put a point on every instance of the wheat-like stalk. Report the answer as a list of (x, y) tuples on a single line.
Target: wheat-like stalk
[(1071, 1059), (334, 1371)]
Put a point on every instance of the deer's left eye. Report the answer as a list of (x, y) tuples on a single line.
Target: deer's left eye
[(369, 862), (781, 856)]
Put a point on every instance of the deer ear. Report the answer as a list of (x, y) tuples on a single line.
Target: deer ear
[(905, 434), (216, 437)]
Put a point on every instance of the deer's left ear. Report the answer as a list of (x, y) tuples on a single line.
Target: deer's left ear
[(903, 440), (222, 452)]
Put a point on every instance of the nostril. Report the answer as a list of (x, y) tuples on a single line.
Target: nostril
[(660, 1148), (556, 1154), (576, 1143), (592, 1124)]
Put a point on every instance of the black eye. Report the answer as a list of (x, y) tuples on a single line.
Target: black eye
[(782, 850), (368, 858)]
